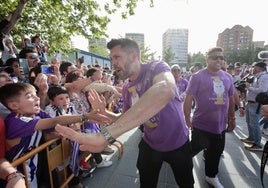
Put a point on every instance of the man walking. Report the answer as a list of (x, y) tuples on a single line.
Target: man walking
[(213, 90)]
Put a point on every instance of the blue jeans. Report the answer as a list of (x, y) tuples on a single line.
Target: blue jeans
[(252, 119)]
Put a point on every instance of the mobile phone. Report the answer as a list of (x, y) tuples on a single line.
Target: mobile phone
[(47, 69), (24, 64)]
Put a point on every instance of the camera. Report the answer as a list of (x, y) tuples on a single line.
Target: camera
[(240, 85), (47, 69)]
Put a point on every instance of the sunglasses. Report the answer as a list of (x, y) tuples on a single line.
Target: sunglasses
[(216, 57), (33, 57)]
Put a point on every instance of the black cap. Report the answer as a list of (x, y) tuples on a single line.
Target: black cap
[(260, 64)]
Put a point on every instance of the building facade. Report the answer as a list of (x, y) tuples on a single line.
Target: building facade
[(177, 41), (138, 37), (236, 38)]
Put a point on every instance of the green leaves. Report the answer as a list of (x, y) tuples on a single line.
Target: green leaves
[(57, 20)]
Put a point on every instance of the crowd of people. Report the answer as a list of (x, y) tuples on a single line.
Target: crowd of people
[(74, 99), (41, 98)]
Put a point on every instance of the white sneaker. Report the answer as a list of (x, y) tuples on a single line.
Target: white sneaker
[(214, 182), (104, 164), (265, 131)]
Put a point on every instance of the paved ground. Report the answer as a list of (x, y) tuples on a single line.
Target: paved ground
[(239, 168)]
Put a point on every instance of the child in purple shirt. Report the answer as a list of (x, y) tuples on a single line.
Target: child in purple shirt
[(25, 123)]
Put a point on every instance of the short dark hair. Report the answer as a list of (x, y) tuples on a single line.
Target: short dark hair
[(25, 51), (198, 65), (215, 49), (64, 66), (10, 61), (91, 71), (126, 44), (72, 76), (11, 92), (56, 90)]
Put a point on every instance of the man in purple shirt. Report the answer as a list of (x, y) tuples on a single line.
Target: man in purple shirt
[(213, 90), (150, 98)]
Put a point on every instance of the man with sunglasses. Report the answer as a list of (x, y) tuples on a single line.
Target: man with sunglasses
[(31, 56), (213, 91)]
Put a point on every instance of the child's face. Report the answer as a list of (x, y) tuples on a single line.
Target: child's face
[(62, 100), (28, 104), (5, 78)]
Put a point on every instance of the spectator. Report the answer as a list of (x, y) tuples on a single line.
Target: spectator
[(180, 82), (31, 57), (10, 50), (18, 71), (81, 104), (5, 78), (65, 68), (42, 48), (214, 105), (60, 105), (24, 124), (253, 114)]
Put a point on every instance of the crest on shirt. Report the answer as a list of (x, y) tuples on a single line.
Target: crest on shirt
[(134, 95), (25, 119), (218, 88)]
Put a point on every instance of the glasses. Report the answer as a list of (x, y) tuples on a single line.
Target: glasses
[(216, 57)]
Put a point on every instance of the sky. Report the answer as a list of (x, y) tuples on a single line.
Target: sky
[(204, 19)]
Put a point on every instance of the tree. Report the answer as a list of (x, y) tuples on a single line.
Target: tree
[(168, 56), (246, 55), (146, 54), (196, 57), (57, 20)]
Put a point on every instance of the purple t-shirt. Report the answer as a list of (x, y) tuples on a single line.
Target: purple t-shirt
[(211, 93), (166, 131), (18, 126), (181, 84)]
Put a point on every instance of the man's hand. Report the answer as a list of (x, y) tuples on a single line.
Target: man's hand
[(189, 124), (231, 125), (93, 142), (265, 111)]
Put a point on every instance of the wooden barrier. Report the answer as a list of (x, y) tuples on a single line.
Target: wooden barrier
[(56, 156)]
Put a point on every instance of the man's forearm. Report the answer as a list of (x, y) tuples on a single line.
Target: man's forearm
[(147, 106)]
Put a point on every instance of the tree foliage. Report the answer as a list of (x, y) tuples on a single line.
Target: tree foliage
[(146, 54), (57, 20), (168, 56), (196, 58), (99, 50), (247, 56)]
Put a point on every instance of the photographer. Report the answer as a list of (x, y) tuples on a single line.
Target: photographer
[(253, 114)]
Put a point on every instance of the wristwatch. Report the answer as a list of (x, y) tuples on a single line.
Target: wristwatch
[(107, 135)]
